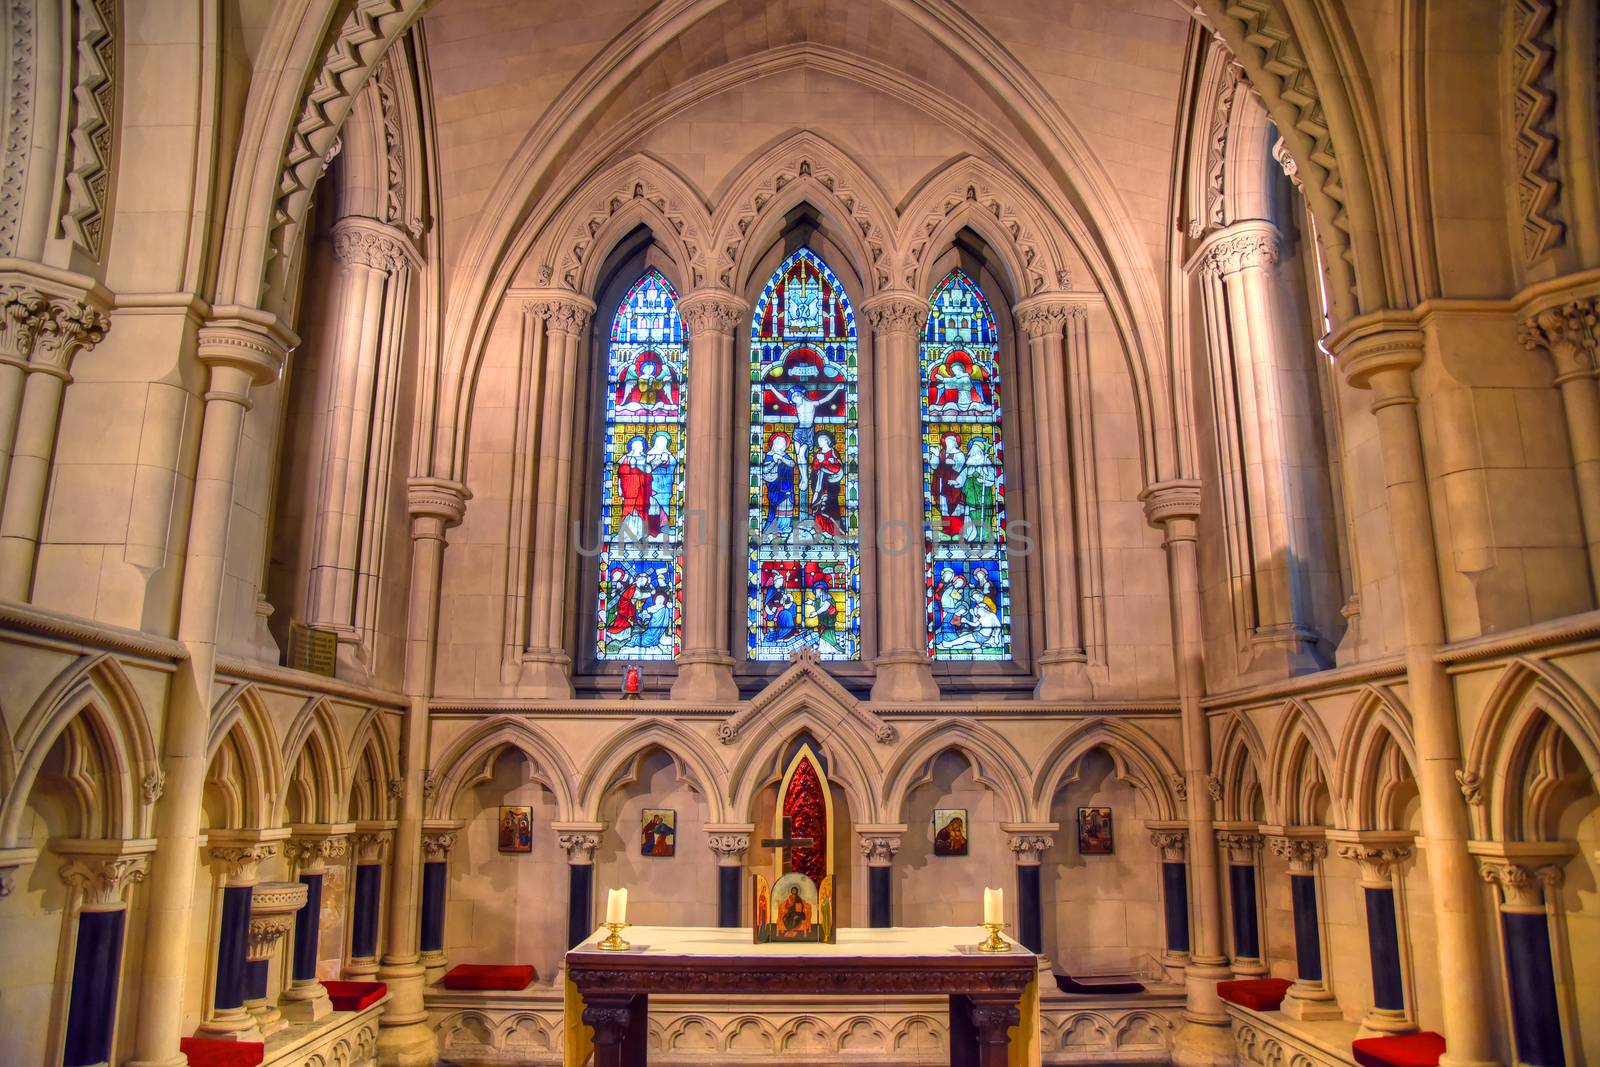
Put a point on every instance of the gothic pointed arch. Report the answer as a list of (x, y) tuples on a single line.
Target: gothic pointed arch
[(372, 769), (694, 758), (1139, 759), (995, 763), (839, 745), (1376, 754), (470, 760), (314, 761), (246, 757)]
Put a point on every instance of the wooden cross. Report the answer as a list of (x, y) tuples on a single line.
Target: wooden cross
[(788, 840)]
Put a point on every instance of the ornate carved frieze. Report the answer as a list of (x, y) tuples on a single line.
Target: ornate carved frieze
[(1300, 853), (713, 311), (239, 862), (1534, 137), (1570, 332), (436, 846), (1029, 849), (362, 242), (102, 880), (1174, 844)]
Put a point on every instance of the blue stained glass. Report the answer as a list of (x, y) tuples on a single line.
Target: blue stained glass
[(805, 550), (968, 577), (639, 607)]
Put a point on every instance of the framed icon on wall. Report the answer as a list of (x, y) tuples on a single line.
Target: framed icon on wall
[(658, 832), (1094, 832), (516, 828), (950, 831)]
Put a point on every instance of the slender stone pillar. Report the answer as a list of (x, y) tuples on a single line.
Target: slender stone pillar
[(547, 663), (99, 879), (366, 907), (904, 671), (1029, 847), (435, 505), (1526, 881), (878, 847), (729, 842), (579, 840), (1063, 666), (42, 333), (241, 347), (238, 864), (308, 851), (1311, 995), (705, 667), (1204, 1040), (1379, 352), (436, 847), (273, 906), (1172, 842), (1244, 876), (1378, 854), (1570, 332)]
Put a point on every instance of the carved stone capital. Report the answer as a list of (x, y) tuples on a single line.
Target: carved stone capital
[(364, 242), (1166, 502), (1232, 251), (1243, 845), (579, 845), (370, 845), (240, 862), (250, 342), (265, 933), (436, 846), (1300, 853), (1570, 332), (435, 505), (1174, 844), (895, 312), (309, 853), (728, 848), (1379, 352), (102, 880), (272, 909), (62, 329), (1522, 885), (562, 312), (713, 311), (879, 849), (1377, 861), (1046, 316), (1029, 849)]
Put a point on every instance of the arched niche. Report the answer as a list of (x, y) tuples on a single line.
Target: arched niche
[(675, 889), (1102, 912), (849, 868), (944, 890)]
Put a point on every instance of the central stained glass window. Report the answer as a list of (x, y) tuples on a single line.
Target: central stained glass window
[(805, 540), (963, 478), (640, 610)]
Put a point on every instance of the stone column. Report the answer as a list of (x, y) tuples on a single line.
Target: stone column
[(1378, 854), (435, 505), (904, 671), (1172, 842), (1527, 878), (1063, 667), (1244, 853), (1204, 1038), (241, 347), (1570, 333), (366, 906), (436, 847), (547, 663), (99, 873), (878, 847), (1379, 352), (1311, 996), (308, 851), (238, 864), (729, 842), (53, 330), (705, 667), (273, 907), (1028, 845), (579, 840)]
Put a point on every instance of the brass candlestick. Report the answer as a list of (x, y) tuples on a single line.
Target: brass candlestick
[(614, 943), (994, 942)]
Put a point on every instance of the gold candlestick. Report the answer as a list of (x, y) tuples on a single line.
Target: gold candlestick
[(994, 942), (614, 943)]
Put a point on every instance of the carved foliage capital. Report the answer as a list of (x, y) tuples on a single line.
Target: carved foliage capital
[(1173, 844), (47, 331), (879, 849), (728, 846), (1234, 252), (1521, 886), (436, 846), (713, 311), (579, 845), (1029, 849), (370, 845), (1570, 332), (103, 880), (1377, 861), (239, 862), (367, 244), (1042, 319), (309, 854), (561, 314), (1243, 845), (1301, 854), (896, 313)]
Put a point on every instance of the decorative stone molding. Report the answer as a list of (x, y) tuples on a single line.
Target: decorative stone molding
[(579, 845), (93, 107), (370, 845), (44, 331), (19, 121), (1173, 844), (239, 862), (1214, 788), (879, 849), (1236, 249), (1471, 783), (1522, 886), (1535, 137), (103, 879), (1210, 210), (436, 846), (728, 846), (1045, 316), (1386, 347), (562, 312), (638, 184), (1029, 849), (1570, 332), (895, 311), (1300, 853), (310, 853), (430, 785), (1291, 169), (713, 311), (1243, 845), (1377, 861), (976, 186), (806, 672), (1165, 502), (436, 501), (1180, 787), (247, 340), (364, 242), (154, 784), (272, 908)]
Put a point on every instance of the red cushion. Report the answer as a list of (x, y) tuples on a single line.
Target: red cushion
[(1407, 1050), (209, 1052), (1258, 994), (353, 996), (488, 976)]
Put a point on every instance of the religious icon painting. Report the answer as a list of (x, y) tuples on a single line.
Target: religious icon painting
[(760, 908), (1094, 832), (795, 909), (658, 832), (516, 828), (949, 831)]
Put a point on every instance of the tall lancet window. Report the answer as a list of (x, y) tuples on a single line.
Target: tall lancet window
[(963, 481), (805, 550), (640, 610)]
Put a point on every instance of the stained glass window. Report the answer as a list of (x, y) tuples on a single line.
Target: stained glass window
[(963, 478), (805, 552), (640, 601)]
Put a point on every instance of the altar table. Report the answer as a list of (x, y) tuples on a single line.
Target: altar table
[(994, 1001)]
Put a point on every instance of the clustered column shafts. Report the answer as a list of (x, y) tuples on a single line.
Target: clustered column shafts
[(705, 669), (904, 671)]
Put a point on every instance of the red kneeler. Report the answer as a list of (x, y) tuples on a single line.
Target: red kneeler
[(1408, 1050), (502, 976), (354, 996), (209, 1052), (1257, 994)]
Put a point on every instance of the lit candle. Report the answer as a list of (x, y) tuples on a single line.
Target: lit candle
[(617, 906), (994, 907)]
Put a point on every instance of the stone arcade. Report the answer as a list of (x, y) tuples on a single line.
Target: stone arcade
[(457, 456)]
